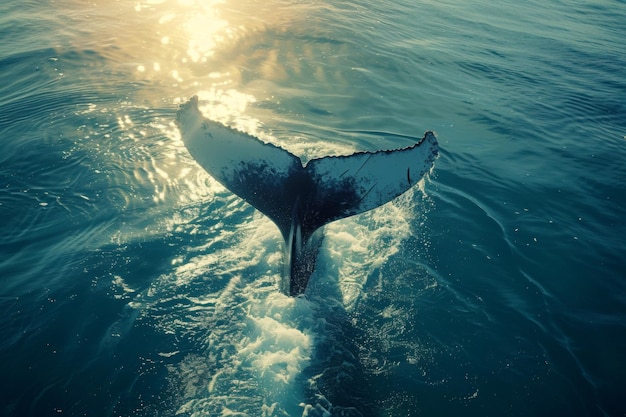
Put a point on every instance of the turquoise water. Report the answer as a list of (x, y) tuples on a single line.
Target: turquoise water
[(133, 284)]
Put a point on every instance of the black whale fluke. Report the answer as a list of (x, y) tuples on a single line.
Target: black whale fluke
[(301, 199)]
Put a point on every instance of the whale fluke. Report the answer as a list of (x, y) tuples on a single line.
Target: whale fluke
[(301, 199)]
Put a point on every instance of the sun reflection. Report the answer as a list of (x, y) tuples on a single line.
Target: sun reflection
[(229, 53), (227, 106), (206, 29), (192, 44)]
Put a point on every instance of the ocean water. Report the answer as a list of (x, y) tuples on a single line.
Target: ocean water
[(133, 284)]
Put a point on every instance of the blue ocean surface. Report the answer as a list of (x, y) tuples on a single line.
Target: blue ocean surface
[(133, 284)]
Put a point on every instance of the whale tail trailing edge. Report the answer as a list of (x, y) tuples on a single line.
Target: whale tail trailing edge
[(301, 199)]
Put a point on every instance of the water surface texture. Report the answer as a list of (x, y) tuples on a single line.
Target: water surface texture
[(133, 284)]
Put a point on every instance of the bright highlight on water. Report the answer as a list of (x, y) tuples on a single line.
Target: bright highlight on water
[(134, 283)]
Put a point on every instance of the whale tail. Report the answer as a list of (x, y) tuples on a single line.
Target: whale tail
[(298, 198)]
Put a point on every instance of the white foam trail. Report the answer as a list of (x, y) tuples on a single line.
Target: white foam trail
[(251, 342), (358, 246)]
